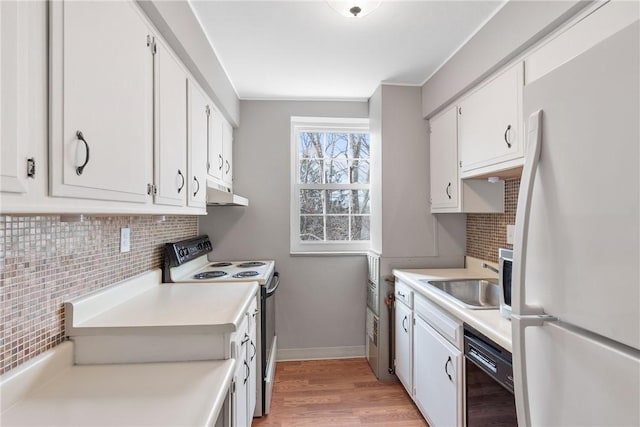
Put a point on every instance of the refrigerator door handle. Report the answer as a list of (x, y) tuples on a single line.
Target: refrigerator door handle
[(521, 386), (534, 141)]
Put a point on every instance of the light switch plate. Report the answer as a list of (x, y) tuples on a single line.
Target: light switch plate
[(511, 229), (125, 239)]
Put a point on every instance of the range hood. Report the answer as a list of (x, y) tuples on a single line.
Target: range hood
[(221, 195)]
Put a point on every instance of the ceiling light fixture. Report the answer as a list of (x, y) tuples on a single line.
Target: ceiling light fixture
[(354, 8)]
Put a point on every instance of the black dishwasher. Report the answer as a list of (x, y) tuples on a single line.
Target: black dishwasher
[(488, 382)]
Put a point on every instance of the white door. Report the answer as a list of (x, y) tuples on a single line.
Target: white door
[(489, 122), (199, 114), (437, 376), (101, 99), (171, 175), (404, 338), (443, 160)]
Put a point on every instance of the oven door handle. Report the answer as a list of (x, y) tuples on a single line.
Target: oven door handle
[(275, 282)]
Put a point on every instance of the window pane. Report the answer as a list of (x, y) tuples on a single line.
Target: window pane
[(311, 228), (360, 171), (336, 172), (311, 201), (359, 143), (311, 145), (360, 228), (360, 203), (336, 146), (337, 201), (337, 228), (311, 171)]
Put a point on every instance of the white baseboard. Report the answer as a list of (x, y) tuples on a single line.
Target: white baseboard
[(318, 353)]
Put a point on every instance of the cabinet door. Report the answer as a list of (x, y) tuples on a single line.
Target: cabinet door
[(437, 377), (227, 152), (199, 114), (170, 153), (489, 122), (239, 396), (404, 354), (443, 148), (13, 75), (101, 70), (216, 159)]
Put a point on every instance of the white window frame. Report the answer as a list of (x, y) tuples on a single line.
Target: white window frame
[(316, 124)]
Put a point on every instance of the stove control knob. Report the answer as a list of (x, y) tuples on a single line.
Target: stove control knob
[(199, 246)]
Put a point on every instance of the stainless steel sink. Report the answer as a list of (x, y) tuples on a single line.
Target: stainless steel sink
[(474, 294)]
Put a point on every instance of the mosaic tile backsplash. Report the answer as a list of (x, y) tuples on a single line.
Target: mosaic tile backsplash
[(488, 232), (44, 262)]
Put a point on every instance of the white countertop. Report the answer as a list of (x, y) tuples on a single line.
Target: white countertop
[(488, 322), (184, 393), (177, 308)]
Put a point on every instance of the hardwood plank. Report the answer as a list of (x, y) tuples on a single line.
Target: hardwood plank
[(341, 392)]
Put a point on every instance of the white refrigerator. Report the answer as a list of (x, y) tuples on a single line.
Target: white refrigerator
[(576, 277)]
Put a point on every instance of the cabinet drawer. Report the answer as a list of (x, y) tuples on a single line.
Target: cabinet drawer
[(448, 326), (404, 293)]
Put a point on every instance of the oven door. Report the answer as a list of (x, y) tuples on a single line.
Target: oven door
[(268, 340)]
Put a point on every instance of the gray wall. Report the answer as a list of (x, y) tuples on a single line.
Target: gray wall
[(179, 26), (514, 28), (321, 301)]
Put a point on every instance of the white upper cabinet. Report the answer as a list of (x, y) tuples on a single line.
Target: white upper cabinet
[(443, 148), (101, 117), (221, 151), (199, 135), (450, 193), (490, 132), (216, 160), (227, 153), (15, 166), (170, 153)]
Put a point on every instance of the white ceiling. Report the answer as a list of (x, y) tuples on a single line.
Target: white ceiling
[(306, 50)]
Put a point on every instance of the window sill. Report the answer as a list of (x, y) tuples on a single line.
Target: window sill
[(329, 253)]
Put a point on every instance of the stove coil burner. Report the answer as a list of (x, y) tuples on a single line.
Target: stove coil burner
[(209, 275), (251, 264), (220, 264), (244, 274)]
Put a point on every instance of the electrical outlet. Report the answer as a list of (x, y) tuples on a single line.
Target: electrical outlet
[(511, 229), (125, 239)]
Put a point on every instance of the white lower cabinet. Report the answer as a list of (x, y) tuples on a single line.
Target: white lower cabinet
[(404, 336), (428, 357), (437, 376), (243, 388)]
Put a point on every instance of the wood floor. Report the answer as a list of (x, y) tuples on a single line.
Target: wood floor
[(337, 393)]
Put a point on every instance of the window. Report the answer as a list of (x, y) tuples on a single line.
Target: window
[(330, 201)]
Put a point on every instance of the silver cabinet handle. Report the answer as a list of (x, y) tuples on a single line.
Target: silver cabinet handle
[(254, 351), (245, 339), (447, 190), (183, 181), (220, 162), (446, 368), (228, 166), (198, 188), (506, 136), (80, 168), (403, 326)]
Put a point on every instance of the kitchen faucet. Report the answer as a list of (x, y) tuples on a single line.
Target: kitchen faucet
[(489, 267)]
